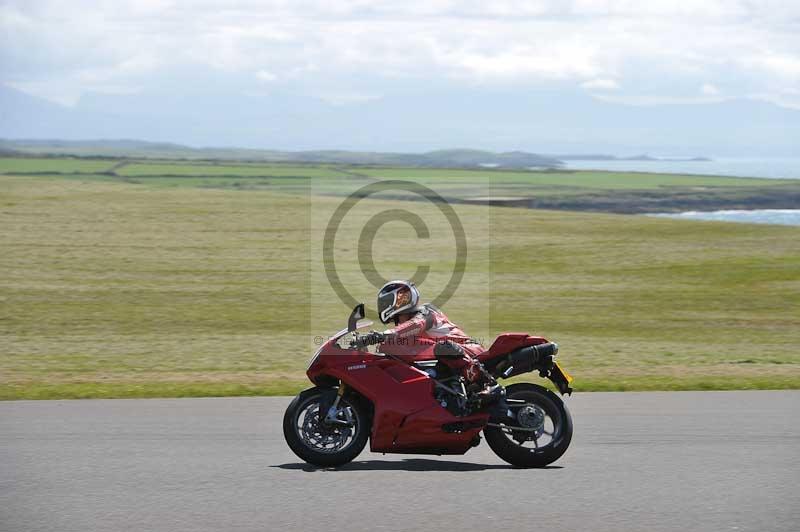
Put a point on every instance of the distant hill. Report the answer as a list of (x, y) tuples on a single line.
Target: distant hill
[(454, 158), (543, 121), (641, 157)]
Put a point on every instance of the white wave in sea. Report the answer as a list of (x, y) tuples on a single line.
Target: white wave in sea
[(756, 216)]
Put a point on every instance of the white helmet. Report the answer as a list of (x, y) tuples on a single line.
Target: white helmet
[(397, 297)]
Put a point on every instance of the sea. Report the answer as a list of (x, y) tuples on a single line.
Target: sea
[(766, 168), (755, 216)]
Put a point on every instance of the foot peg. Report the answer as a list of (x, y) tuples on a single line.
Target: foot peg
[(489, 395)]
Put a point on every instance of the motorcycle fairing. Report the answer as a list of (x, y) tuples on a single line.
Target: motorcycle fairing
[(407, 417)]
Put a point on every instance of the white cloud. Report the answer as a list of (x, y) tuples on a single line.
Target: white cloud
[(266, 76), (600, 84), (642, 51), (63, 94), (709, 90), (347, 97), (782, 65), (558, 61)]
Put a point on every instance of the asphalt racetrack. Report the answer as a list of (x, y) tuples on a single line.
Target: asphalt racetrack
[(706, 461)]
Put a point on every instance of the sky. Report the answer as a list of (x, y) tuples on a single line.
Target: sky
[(246, 72)]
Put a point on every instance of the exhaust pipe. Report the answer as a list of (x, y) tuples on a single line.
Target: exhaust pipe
[(527, 359)]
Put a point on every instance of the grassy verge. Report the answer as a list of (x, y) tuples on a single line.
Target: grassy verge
[(133, 390), (656, 380)]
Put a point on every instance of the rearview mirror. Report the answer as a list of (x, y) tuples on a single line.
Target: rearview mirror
[(357, 314)]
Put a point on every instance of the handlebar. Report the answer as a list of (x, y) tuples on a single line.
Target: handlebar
[(371, 338)]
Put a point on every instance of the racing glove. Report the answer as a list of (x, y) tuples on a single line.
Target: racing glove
[(371, 338)]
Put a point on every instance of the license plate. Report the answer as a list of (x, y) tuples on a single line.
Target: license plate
[(566, 375)]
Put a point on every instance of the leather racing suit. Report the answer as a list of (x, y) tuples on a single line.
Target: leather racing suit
[(418, 336), (430, 334)]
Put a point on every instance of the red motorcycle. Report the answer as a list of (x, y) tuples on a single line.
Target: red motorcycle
[(419, 405)]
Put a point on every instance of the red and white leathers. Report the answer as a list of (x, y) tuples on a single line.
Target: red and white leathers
[(416, 337)]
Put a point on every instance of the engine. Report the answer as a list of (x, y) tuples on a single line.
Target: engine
[(455, 404)]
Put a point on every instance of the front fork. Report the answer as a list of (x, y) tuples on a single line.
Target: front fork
[(332, 413)]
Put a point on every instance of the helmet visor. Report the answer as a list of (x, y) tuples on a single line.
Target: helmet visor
[(385, 306)]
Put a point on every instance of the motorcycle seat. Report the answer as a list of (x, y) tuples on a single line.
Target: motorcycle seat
[(507, 342)]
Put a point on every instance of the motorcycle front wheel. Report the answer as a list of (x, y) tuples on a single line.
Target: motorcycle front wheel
[(321, 443), (541, 430)]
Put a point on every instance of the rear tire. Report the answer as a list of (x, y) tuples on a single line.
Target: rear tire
[(514, 452), (297, 437)]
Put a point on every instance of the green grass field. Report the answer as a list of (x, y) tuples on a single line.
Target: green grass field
[(567, 190), (166, 287), (547, 179), (237, 170), (571, 179), (53, 165)]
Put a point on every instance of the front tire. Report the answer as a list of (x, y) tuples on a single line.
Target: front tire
[(541, 442), (319, 444)]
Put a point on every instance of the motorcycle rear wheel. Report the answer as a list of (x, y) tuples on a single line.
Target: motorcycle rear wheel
[(320, 445), (541, 403)]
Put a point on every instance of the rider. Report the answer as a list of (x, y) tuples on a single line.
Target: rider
[(420, 328)]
